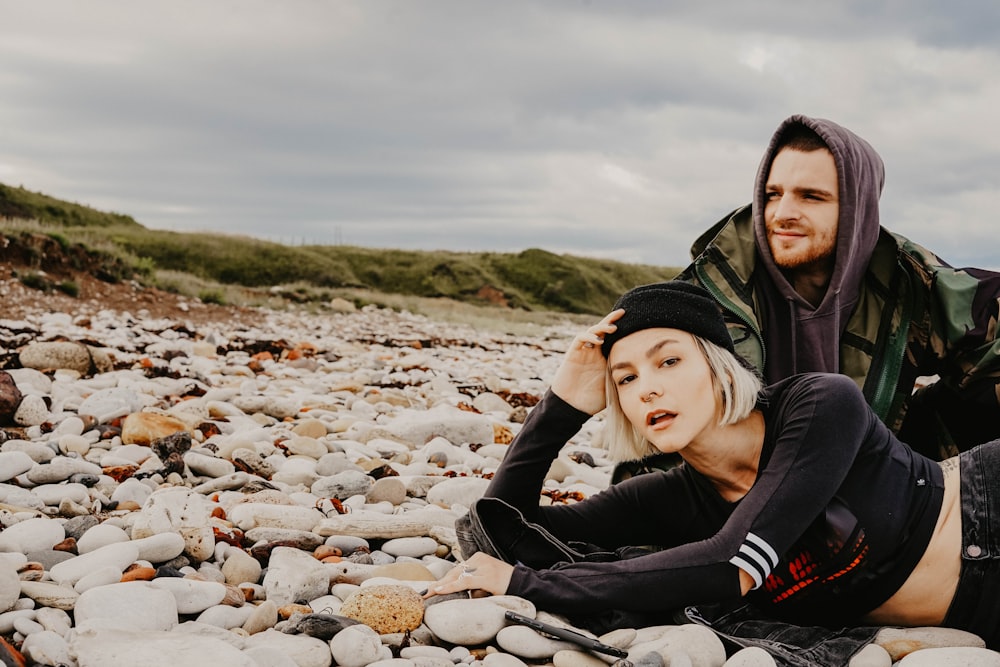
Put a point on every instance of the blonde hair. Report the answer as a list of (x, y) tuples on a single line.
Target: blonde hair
[(736, 389)]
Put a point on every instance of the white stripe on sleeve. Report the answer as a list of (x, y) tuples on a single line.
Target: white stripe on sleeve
[(757, 558)]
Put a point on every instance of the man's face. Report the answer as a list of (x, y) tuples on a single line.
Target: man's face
[(802, 210)]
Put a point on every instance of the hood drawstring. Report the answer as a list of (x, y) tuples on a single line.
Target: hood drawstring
[(792, 311), (836, 327)]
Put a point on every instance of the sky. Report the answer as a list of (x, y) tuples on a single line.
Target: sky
[(619, 129)]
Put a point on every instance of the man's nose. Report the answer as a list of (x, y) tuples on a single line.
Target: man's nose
[(785, 208)]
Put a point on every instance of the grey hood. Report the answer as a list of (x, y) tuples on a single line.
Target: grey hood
[(789, 322)]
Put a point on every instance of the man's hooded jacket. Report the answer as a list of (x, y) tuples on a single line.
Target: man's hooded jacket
[(893, 314)]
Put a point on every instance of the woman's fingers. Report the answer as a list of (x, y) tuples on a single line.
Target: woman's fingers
[(593, 337), (458, 578), (479, 572)]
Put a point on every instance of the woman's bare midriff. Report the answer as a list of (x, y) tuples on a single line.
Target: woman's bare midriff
[(925, 596)]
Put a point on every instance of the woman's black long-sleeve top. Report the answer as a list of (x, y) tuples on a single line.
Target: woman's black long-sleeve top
[(835, 522)]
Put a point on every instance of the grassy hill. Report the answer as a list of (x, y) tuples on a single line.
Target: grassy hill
[(206, 263)]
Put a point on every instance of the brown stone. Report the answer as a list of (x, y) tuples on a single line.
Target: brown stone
[(10, 398), (68, 545), (120, 473)]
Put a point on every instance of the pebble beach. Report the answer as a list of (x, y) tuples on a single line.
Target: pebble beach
[(276, 492)]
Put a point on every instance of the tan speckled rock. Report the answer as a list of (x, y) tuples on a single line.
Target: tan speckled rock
[(142, 428), (48, 355), (385, 608)]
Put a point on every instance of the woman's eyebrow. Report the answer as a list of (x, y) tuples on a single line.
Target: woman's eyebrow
[(651, 352)]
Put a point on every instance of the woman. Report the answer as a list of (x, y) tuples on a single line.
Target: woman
[(795, 496)]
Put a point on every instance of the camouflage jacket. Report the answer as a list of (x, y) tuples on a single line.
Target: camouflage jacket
[(916, 317)]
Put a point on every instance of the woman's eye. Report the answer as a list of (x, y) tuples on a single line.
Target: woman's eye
[(625, 379), (669, 361)]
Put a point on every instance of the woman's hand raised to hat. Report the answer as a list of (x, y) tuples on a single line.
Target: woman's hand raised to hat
[(581, 376)]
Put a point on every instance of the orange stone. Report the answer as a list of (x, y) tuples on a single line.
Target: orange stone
[(139, 574), (325, 551), (285, 612)]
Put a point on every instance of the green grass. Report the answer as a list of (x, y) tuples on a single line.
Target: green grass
[(233, 269), (18, 203)]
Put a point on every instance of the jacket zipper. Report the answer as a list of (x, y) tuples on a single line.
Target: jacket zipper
[(893, 357), (731, 307)]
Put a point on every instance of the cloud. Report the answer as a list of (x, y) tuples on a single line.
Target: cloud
[(608, 129)]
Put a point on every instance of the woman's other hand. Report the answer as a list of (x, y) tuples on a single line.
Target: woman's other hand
[(479, 572), (581, 376)]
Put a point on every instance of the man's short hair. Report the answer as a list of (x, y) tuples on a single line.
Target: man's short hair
[(798, 137)]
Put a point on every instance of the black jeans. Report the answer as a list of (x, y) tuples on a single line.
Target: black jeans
[(976, 605), (500, 530), (740, 625)]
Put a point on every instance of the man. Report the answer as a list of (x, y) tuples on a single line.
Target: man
[(809, 281)]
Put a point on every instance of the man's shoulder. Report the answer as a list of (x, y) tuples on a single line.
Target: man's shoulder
[(916, 256), (896, 254), (926, 265)]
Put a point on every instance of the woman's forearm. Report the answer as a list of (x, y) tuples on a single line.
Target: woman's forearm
[(519, 479)]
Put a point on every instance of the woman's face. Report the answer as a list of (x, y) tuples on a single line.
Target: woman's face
[(664, 387)]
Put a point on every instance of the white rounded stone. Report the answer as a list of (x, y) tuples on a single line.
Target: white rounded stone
[(192, 595), (134, 605), (99, 536), (120, 647), (32, 535), (356, 646), (118, 555), (956, 656)]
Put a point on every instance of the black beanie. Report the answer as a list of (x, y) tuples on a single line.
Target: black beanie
[(674, 304)]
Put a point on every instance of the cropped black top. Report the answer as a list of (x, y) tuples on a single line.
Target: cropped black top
[(838, 517)]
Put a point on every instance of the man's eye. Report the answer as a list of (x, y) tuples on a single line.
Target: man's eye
[(772, 195)]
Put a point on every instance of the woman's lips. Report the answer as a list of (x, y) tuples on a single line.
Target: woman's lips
[(659, 417)]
